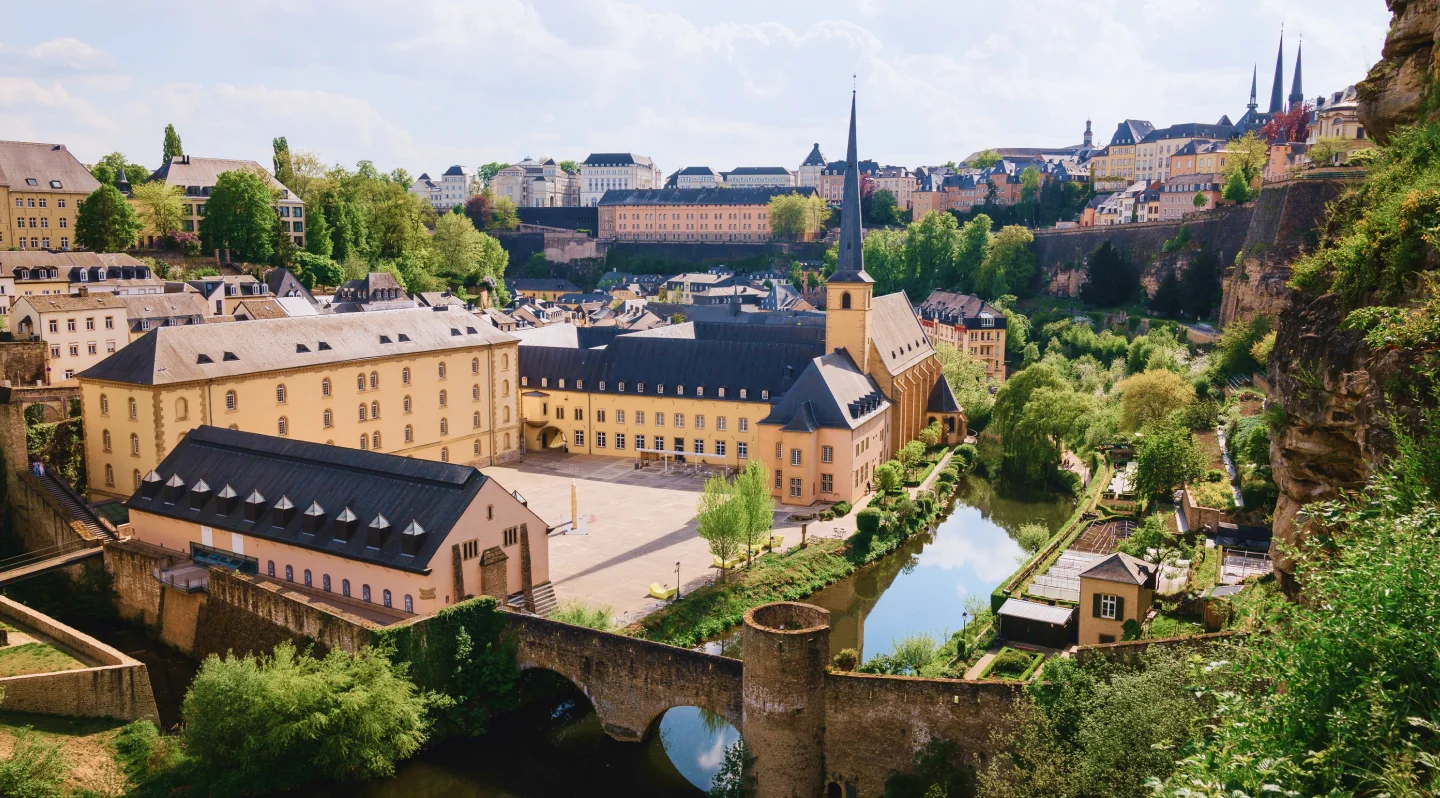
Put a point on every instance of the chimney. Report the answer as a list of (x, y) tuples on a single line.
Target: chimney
[(412, 539), (84, 290), (150, 485), (254, 506), (174, 489), (282, 513), (314, 520), (199, 494), (377, 533), (345, 524), (226, 500)]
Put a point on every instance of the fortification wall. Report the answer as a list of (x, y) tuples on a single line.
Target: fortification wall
[(22, 362), (246, 614)]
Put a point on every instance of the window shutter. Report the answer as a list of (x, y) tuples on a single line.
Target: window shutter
[(1119, 608), (1095, 612)]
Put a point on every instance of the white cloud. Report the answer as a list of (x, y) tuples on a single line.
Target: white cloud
[(30, 97)]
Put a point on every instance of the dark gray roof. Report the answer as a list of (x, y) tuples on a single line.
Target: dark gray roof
[(698, 196), (1196, 130), (636, 360), (1121, 567), (851, 265), (283, 283), (951, 307), (455, 171), (815, 158), (696, 170), (831, 392), (731, 314), (1035, 611), (1131, 131), (942, 399), (543, 284), (370, 484), (758, 170), (616, 159)]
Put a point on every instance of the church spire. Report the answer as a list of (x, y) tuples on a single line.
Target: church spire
[(1297, 94), (1277, 90), (1254, 84), (850, 267)]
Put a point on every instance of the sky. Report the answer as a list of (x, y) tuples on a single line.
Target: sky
[(423, 84)]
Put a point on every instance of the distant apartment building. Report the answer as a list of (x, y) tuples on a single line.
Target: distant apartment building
[(39, 273), (623, 171), (1115, 166), (694, 177), (1177, 195), (196, 176), (1199, 157), (808, 175), (426, 189), (899, 181), (683, 288), (969, 324), (832, 178), (759, 177), (678, 214), (1337, 116), (41, 186), (1154, 152), (537, 184), (78, 331), (538, 288)]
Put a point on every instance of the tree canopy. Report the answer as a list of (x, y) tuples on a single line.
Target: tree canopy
[(796, 216), (105, 222), (239, 217), (159, 206), (170, 148)]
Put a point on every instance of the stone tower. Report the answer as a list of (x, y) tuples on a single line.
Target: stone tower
[(849, 291), (787, 646), (1089, 136)]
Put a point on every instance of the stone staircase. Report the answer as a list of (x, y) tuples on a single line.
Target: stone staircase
[(75, 506), (545, 601)]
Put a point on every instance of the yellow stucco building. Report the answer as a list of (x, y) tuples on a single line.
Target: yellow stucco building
[(422, 383), (1114, 590), (41, 186)]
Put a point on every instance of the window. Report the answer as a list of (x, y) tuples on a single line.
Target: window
[(444, 454), (511, 536), (620, 417), (289, 573), (74, 350), (364, 592), (283, 426), (1107, 606), (795, 486), (280, 394), (504, 387), (476, 423), (827, 483), (134, 409), (70, 325), (600, 416), (794, 457), (699, 446), (442, 371), (104, 405), (385, 597), (105, 437), (409, 603), (374, 410), (744, 425), (345, 587), (619, 440), (269, 567), (325, 387), (307, 577), (600, 440), (405, 405), (475, 393), (362, 411), (409, 434), (109, 474), (699, 422), (474, 365), (405, 376), (229, 400), (359, 382), (325, 582), (579, 437), (827, 454), (375, 440), (134, 444), (559, 412), (442, 398)]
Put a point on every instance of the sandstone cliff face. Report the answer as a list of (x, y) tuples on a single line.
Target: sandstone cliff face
[(1395, 91)]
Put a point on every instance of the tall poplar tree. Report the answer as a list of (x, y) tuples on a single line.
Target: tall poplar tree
[(172, 146)]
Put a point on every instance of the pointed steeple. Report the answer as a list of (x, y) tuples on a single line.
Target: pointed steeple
[(122, 184), (1277, 90), (1254, 84), (1297, 93), (850, 267)]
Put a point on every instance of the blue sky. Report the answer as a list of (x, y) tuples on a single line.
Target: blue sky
[(426, 83)]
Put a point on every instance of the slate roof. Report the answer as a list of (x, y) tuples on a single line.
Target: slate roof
[(283, 283), (699, 196), (896, 333), (1194, 130), (830, 392), (539, 284), (457, 171), (951, 307), (758, 170), (635, 360), (1035, 611), (261, 307), (21, 161), (174, 354), (815, 158), (65, 303), (942, 399), (1131, 131), (850, 267), (1121, 567), (189, 170), (371, 485), (743, 333), (63, 261), (178, 308), (697, 170), (738, 314), (616, 159)]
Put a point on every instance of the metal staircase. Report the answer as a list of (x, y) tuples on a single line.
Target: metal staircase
[(75, 506)]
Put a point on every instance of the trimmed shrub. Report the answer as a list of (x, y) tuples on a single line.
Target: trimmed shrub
[(841, 509), (868, 521), (966, 456), (845, 660)]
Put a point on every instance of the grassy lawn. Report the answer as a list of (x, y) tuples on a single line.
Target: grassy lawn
[(1162, 626), (1012, 663), (1207, 571), (35, 658), (1210, 446), (86, 744), (1214, 494)]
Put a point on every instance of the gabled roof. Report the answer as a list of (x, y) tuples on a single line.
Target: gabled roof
[(951, 307), (371, 485), (1121, 567), (1131, 131), (697, 170), (283, 283), (815, 158), (457, 171), (831, 392), (188, 170), (1035, 611), (896, 334), (47, 165), (65, 303), (62, 261), (942, 399), (1192, 130), (699, 196)]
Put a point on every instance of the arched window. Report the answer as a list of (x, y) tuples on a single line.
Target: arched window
[(845, 300), (504, 387), (474, 365), (134, 409), (374, 409), (104, 405), (505, 414), (406, 404), (344, 587), (364, 441), (329, 419), (375, 440), (283, 426), (475, 392), (477, 447), (477, 421), (135, 444), (374, 380), (307, 578), (409, 434), (325, 387), (105, 438), (182, 409), (280, 393), (505, 361), (229, 400), (444, 454), (269, 567), (109, 475), (385, 597), (362, 411), (325, 582), (289, 573), (442, 371), (409, 603), (365, 592), (442, 398), (405, 376), (360, 381), (444, 426), (136, 475)]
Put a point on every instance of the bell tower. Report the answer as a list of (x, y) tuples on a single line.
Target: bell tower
[(849, 291)]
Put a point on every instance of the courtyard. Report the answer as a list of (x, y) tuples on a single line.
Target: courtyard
[(634, 526)]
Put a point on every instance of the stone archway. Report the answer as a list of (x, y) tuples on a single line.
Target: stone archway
[(554, 438)]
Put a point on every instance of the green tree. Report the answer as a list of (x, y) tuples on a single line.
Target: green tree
[(489, 170), (1168, 457), (105, 222), (503, 214), (281, 151), (889, 477), (1328, 150), (1151, 397), (537, 266), (397, 223), (238, 217), (909, 455), (930, 250), (1009, 265), (35, 768), (1032, 537), (348, 231), (1110, 279), (796, 216), (284, 248), (757, 506), (882, 210), (316, 270), (570, 166), (720, 520), (1200, 200), (930, 435), (1235, 189), (287, 719), (159, 206), (968, 380), (1245, 161), (971, 248), (984, 159), (107, 170), (318, 237), (171, 147), (458, 246), (1030, 453)]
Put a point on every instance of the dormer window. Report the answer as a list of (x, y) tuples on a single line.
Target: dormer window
[(560, 383), (301, 348), (579, 385), (742, 393), (660, 388), (30, 181), (622, 387), (679, 390), (324, 346), (764, 394), (199, 359), (602, 385), (55, 184), (228, 356), (544, 382), (720, 392)]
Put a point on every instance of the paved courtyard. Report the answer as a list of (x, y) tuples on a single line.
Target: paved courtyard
[(636, 525)]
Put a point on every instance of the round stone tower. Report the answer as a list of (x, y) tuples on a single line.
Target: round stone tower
[(787, 646)]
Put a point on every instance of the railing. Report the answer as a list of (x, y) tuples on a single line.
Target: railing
[(189, 584), (41, 555)]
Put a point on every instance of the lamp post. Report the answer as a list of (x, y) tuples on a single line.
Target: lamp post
[(677, 580), (965, 627)]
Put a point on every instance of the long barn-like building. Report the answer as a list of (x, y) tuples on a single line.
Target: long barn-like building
[(820, 408)]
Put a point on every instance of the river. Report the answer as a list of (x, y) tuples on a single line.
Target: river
[(556, 747)]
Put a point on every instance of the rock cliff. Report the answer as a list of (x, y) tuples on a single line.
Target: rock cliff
[(1399, 89)]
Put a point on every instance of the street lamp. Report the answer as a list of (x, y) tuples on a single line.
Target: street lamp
[(677, 580)]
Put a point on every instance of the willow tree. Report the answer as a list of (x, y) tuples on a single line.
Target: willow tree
[(1031, 454)]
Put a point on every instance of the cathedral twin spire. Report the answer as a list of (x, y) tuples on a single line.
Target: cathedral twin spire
[(850, 267), (1277, 97)]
